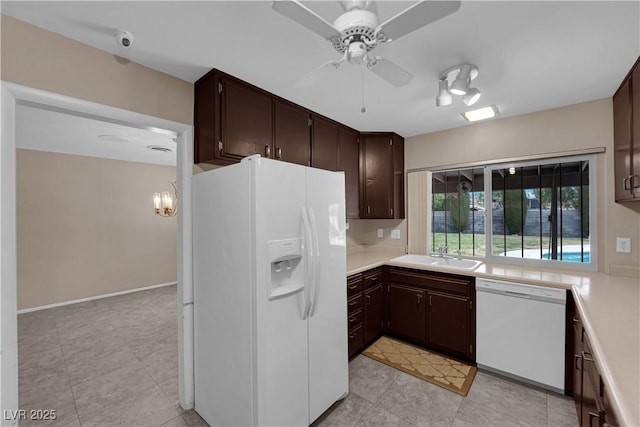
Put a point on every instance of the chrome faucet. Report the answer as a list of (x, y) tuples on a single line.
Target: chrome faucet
[(442, 250)]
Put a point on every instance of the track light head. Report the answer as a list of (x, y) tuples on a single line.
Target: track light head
[(461, 84), (471, 97), (444, 97), (456, 81)]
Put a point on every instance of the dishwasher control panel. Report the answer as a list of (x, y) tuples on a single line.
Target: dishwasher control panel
[(521, 290)]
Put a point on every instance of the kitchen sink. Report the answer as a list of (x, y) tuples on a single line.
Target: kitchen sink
[(446, 261)]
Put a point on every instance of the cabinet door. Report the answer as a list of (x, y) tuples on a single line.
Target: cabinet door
[(246, 120), (292, 134), (635, 122), (448, 323), (622, 141), (324, 143), (377, 182), (398, 177), (407, 314), (348, 162), (206, 119), (373, 313)]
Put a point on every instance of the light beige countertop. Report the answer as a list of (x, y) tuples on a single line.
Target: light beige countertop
[(608, 305)]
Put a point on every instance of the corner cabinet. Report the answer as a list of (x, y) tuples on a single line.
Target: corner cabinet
[(432, 309), (382, 176), (626, 137)]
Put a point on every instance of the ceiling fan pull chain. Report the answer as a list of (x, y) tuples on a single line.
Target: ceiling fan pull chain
[(363, 109)]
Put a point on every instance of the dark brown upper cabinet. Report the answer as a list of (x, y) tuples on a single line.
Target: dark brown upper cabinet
[(324, 143), (349, 163), (626, 137), (382, 176), (292, 134), (232, 119)]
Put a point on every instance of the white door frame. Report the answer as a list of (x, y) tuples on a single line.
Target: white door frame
[(13, 94)]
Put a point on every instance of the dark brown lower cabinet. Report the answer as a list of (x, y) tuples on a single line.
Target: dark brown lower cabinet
[(434, 310), (448, 323), (407, 314), (593, 405)]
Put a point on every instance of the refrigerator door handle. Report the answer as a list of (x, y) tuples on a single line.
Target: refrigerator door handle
[(316, 261), (308, 261)]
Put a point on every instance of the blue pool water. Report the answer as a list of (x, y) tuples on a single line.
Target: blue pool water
[(570, 256)]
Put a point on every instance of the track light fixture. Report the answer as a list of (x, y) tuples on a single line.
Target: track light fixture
[(456, 81)]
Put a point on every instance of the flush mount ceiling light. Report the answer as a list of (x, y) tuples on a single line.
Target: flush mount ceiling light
[(456, 81), (481, 113), (159, 148), (113, 138)]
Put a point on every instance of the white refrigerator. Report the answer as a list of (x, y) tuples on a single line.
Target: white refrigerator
[(269, 293)]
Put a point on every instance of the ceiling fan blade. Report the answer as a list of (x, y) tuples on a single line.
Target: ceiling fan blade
[(304, 16), (390, 71), (315, 74), (416, 16)]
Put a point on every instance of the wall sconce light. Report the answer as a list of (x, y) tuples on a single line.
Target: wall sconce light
[(456, 81), (166, 203)]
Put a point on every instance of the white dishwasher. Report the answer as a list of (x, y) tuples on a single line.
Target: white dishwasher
[(520, 332)]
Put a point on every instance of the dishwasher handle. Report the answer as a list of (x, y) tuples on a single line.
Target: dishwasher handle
[(517, 294)]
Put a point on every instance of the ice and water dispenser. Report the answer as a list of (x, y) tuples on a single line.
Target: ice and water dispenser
[(286, 271)]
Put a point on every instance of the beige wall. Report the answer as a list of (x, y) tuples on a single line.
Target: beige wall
[(86, 227), (88, 260), (577, 127), (44, 60)]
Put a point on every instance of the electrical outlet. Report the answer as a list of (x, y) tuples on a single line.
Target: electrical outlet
[(623, 244), (395, 234), (380, 233)]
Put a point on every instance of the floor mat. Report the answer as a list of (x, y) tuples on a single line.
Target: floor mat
[(424, 364)]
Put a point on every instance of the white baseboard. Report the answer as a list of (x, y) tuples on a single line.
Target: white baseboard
[(75, 301)]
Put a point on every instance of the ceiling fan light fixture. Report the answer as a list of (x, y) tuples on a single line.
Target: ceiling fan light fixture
[(471, 97), (444, 97)]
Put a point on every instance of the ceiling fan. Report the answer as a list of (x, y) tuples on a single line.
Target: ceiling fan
[(356, 32)]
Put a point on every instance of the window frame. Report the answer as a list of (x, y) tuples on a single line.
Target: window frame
[(489, 257)]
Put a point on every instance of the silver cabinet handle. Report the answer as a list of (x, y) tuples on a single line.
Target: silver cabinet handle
[(576, 357), (592, 416), (267, 151), (632, 179), (278, 153)]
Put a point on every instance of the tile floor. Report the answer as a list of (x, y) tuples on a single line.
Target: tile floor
[(114, 362)]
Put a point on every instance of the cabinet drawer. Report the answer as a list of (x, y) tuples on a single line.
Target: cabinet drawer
[(354, 285), (373, 279), (355, 319), (356, 340), (354, 303)]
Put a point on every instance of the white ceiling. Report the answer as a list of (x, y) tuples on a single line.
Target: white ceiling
[(532, 55), (45, 129)]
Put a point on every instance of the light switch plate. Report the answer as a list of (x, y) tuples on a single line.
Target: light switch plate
[(623, 244), (395, 234), (380, 233)]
